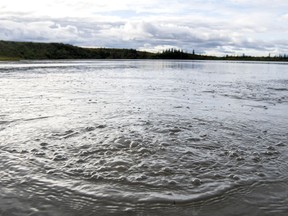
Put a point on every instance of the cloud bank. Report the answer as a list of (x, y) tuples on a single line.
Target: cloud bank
[(211, 27)]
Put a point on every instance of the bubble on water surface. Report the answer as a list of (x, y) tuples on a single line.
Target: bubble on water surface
[(98, 152)]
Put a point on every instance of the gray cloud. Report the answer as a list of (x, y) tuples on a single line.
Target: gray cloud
[(227, 30)]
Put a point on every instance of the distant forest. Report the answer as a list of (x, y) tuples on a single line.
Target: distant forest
[(10, 50)]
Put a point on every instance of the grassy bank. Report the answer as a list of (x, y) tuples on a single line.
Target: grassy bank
[(9, 59)]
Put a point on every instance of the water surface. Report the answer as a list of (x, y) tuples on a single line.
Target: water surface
[(143, 138)]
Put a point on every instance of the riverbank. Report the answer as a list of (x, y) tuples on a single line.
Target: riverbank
[(8, 59)]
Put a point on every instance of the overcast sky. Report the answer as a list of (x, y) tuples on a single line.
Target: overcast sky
[(255, 27)]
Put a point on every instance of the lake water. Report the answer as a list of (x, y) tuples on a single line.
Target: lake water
[(143, 138)]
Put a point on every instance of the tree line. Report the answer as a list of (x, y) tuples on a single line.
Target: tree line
[(11, 50)]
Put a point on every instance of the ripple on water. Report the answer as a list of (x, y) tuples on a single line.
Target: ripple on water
[(192, 149)]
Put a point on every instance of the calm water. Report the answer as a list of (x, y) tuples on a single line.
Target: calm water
[(143, 138)]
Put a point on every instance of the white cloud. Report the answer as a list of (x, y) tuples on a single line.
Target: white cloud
[(208, 26), (37, 30)]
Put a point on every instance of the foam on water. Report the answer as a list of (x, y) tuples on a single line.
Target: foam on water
[(143, 137)]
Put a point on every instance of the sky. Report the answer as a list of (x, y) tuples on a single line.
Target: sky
[(217, 27)]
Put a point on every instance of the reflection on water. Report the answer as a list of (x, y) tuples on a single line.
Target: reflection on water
[(143, 138)]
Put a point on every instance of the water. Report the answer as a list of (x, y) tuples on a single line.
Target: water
[(143, 138)]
